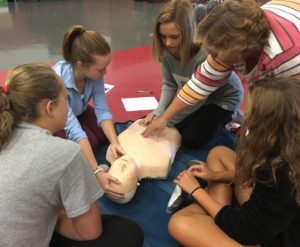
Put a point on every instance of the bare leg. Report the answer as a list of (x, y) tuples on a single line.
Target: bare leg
[(221, 159), (192, 227)]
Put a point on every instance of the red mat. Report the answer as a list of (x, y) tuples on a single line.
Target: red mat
[(131, 71)]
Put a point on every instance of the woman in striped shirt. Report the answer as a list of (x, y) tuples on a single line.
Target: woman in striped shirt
[(257, 42)]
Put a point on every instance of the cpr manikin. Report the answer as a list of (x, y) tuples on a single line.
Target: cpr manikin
[(150, 157)]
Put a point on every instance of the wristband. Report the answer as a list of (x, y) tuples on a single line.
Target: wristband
[(199, 187), (98, 169)]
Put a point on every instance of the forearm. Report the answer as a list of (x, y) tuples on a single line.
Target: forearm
[(109, 130), (88, 152), (168, 93), (165, 100), (174, 108)]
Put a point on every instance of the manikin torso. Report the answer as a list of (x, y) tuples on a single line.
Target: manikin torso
[(150, 157)]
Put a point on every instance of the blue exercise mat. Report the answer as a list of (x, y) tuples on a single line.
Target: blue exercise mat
[(148, 207)]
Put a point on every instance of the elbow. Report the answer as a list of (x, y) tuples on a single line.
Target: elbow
[(90, 235), (89, 225)]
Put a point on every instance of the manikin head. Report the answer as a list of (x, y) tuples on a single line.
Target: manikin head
[(126, 171)]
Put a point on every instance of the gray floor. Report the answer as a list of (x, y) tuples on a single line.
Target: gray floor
[(32, 31)]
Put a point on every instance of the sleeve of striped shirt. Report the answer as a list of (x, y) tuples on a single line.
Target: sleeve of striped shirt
[(208, 77)]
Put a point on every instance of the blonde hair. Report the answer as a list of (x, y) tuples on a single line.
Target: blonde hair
[(81, 45), (272, 121), (28, 85), (181, 13), (236, 27)]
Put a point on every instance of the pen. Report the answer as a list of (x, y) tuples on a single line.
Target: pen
[(144, 91)]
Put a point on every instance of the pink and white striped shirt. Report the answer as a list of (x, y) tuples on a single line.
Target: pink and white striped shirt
[(280, 57)]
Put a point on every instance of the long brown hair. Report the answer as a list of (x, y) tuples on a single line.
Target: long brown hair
[(28, 85), (271, 131), (81, 45), (180, 12)]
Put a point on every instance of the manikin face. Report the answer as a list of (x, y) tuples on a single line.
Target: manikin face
[(171, 37), (98, 69), (125, 170)]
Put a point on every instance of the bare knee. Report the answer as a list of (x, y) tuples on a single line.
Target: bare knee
[(178, 226), (172, 225), (180, 223), (221, 158), (218, 151)]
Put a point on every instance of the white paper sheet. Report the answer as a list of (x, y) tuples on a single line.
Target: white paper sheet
[(140, 103), (108, 87)]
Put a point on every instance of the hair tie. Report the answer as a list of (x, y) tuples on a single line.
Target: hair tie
[(5, 89), (194, 190)]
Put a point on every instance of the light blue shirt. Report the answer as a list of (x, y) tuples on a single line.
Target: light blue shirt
[(77, 103)]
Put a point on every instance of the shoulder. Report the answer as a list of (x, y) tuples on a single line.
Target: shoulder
[(59, 148), (275, 4), (59, 66), (63, 153), (274, 175), (201, 55), (95, 87), (166, 57), (281, 16), (43, 142), (267, 167), (63, 68), (65, 71), (48, 149)]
